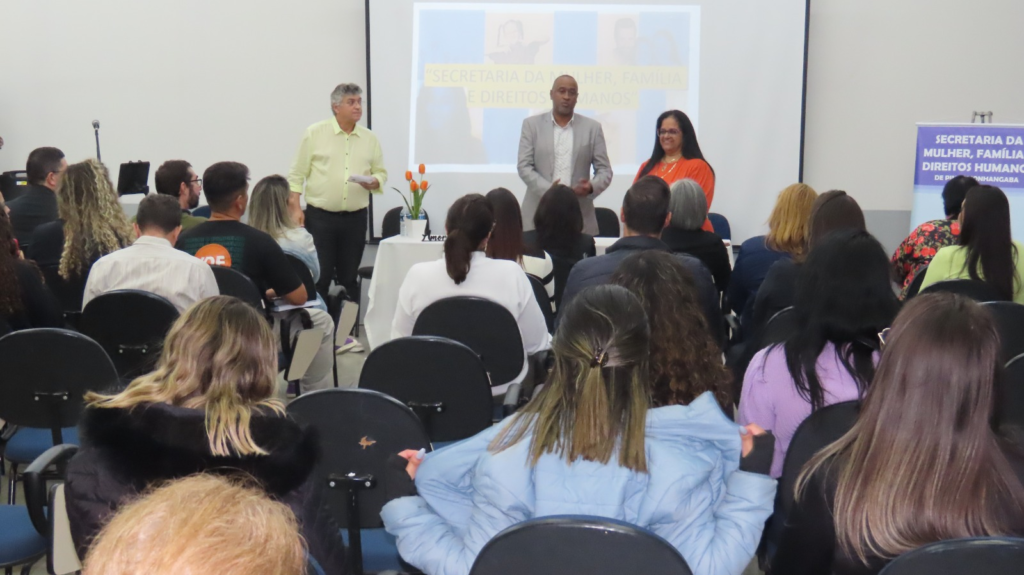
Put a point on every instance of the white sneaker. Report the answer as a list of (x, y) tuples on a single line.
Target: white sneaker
[(350, 345)]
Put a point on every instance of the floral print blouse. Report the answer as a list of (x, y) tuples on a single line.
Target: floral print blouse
[(920, 247)]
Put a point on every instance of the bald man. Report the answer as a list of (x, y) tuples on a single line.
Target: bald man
[(559, 146)]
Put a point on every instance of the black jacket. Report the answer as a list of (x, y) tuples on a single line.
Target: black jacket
[(124, 451), (705, 246), (32, 208)]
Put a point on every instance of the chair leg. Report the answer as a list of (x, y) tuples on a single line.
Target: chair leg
[(26, 569)]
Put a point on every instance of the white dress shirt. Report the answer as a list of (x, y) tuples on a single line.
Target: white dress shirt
[(500, 281), (563, 152), (152, 264)]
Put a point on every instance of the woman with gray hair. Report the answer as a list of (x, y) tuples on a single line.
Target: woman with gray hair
[(689, 208)]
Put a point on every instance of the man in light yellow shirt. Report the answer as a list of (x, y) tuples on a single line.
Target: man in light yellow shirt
[(339, 164)]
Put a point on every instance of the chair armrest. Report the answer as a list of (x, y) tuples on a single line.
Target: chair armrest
[(511, 402), (35, 483)]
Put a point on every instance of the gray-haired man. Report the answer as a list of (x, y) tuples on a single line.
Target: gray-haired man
[(334, 156)]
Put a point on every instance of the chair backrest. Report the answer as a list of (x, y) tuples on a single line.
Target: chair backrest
[(557, 545), (820, 429), (981, 555), (540, 293), (46, 373), (392, 224), (443, 381), (359, 430), (1011, 397), (304, 274), (721, 225), (561, 267), (915, 284), (234, 283), (202, 212), (1009, 319), (485, 326), (131, 326), (607, 223), (69, 292), (974, 289)]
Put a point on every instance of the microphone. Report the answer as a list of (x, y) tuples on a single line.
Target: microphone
[(96, 128)]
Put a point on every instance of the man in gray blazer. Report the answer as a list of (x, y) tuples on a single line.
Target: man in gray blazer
[(561, 147)]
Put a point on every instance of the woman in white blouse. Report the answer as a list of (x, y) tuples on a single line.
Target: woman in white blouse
[(466, 271)]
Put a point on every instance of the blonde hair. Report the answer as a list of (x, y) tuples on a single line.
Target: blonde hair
[(598, 394), (219, 356), (94, 222), (268, 207), (788, 223), (200, 524)]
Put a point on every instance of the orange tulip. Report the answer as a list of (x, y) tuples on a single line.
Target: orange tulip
[(423, 169), (423, 185), (414, 187), (408, 176)]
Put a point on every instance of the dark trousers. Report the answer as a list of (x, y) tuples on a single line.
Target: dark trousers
[(340, 238)]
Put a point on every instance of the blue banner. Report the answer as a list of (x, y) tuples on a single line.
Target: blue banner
[(992, 154)]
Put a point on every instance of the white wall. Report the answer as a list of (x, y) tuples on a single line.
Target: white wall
[(876, 67)]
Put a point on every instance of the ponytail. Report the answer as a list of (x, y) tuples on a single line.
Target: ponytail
[(469, 222)]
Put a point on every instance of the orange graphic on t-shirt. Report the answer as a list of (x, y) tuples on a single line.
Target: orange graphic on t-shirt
[(215, 255)]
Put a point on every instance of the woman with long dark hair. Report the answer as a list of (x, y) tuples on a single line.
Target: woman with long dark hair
[(843, 299), (465, 270), (677, 155), (923, 463), (25, 301), (506, 241), (558, 232), (590, 444), (685, 360), (987, 251)]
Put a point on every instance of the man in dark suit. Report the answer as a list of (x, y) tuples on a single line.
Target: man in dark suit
[(37, 205), (645, 213)]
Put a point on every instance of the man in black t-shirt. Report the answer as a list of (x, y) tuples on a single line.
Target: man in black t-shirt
[(224, 240)]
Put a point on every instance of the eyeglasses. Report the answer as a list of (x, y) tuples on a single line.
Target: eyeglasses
[(197, 181), (669, 132), (883, 335)]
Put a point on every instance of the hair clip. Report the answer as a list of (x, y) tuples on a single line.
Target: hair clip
[(600, 358)]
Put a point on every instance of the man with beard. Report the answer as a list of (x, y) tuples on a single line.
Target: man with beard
[(177, 178)]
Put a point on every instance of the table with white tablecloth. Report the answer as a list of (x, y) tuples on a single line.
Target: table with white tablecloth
[(395, 256)]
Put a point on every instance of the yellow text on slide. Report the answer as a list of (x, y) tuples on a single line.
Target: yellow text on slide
[(525, 86)]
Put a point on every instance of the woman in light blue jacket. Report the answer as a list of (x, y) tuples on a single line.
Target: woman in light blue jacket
[(591, 445)]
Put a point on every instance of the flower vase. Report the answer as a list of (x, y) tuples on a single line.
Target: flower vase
[(415, 229)]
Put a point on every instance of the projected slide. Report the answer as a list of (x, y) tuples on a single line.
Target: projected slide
[(480, 69)]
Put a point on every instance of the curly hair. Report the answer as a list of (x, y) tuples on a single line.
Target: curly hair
[(94, 223), (685, 360), (10, 290)]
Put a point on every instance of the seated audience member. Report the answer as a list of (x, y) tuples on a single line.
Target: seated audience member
[(92, 224), (591, 444), (269, 213), (506, 241), (685, 234), (151, 263), (923, 463), (200, 525), (224, 240), (466, 271), (921, 245), (207, 407), (833, 210), (25, 301), (986, 252), (644, 215), (558, 231), (37, 204), (844, 299), (177, 179), (787, 238), (685, 361)]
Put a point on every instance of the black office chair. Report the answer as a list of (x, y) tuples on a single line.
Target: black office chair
[(561, 267), (915, 284), (540, 293), (202, 212), (131, 326), (485, 326), (721, 225), (607, 223), (235, 283), (69, 293), (441, 380), (359, 430), (46, 373), (974, 289), (562, 544), (1009, 319), (1011, 397), (304, 274), (976, 555)]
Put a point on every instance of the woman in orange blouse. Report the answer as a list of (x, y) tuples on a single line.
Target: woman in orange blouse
[(677, 155)]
